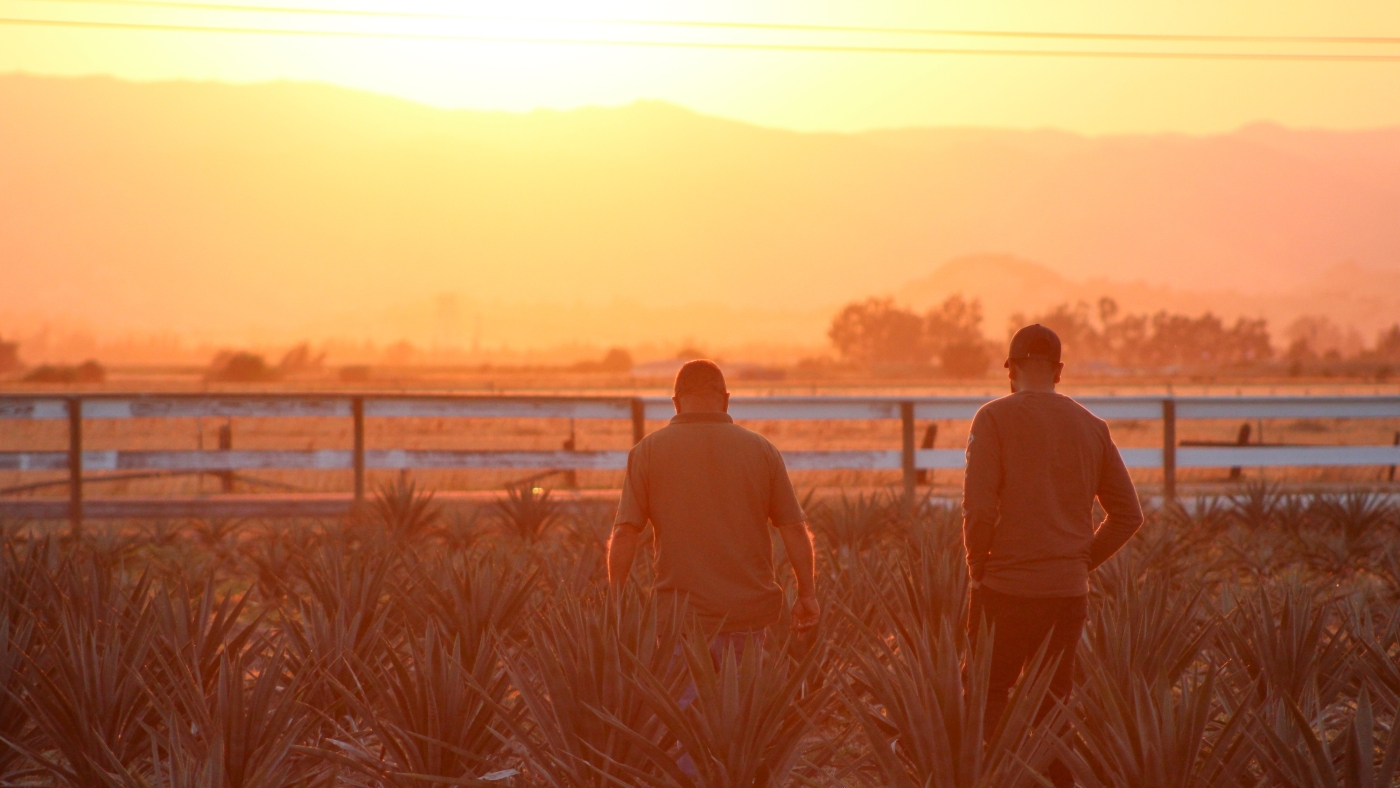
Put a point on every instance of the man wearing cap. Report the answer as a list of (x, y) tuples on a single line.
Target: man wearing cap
[(1036, 460), (710, 490)]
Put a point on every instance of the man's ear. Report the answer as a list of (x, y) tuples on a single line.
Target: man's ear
[(676, 401), (1059, 368), (726, 403)]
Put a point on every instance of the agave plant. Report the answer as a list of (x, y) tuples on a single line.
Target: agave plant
[(1155, 732), (432, 715), (404, 512), (201, 629), (1293, 647), (575, 684), (86, 688), (1154, 630), (1350, 529), (17, 735), (235, 727), (1296, 749), (468, 597), (745, 726), (850, 525), (345, 623), (921, 696), (526, 514)]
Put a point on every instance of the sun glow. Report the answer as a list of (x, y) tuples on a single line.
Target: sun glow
[(548, 53)]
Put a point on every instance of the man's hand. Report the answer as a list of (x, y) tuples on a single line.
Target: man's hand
[(797, 542), (806, 612)]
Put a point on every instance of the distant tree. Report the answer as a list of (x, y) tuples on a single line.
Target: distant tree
[(954, 334), (876, 331), (616, 360), (240, 367), (89, 371), (301, 359), (9, 357), (689, 353), (1079, 338), (1388, 343), (1160, 340)]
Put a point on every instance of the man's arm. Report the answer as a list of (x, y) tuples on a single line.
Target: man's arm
[(981, 494), (797, 543), (622, 551), (1120, 501), (632, 516)]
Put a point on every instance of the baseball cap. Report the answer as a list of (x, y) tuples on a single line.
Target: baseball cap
[(1034, 341)]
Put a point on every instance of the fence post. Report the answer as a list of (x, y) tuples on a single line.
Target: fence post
[(1169, 451), (226, 444), (357, 414), (639, 420), (75, 466), (1397, 443), (906, 418)]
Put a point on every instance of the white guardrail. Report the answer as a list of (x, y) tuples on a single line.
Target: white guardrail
[(910, 459)]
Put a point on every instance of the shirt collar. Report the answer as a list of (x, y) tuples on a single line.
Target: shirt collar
[(702, 417)]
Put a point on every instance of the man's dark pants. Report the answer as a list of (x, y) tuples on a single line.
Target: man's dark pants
[(1022, 625)]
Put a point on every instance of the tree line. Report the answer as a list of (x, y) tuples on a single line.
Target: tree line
[(877, 332)]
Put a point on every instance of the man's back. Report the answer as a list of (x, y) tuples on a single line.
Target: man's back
[(710, 487), (1035, 462)]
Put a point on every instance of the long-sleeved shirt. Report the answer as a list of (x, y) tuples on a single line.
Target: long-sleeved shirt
[(1035, 463)]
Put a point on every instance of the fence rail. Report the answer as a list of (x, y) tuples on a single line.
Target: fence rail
[(909, 458)]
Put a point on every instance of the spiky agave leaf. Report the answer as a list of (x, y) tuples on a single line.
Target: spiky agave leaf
[(1155, 732), (347, 621), (234, 729), (433, 714), (1296, 749), (405, 512), (526, 514), (85, 688), (746, 725), (468, 597), (1155, 630), (573, 677), (1286, 641), (199, 628), (921, 699), (16, 642)]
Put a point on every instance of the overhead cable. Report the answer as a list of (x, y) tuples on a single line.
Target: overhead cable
[(731, 25), (730, 45)]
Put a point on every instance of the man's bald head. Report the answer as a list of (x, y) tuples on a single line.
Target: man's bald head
[(700, 387)]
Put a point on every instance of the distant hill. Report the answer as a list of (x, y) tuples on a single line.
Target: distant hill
[(270, 208), (1366, 299)]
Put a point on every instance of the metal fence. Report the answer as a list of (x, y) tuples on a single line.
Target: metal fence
[(908, 458)]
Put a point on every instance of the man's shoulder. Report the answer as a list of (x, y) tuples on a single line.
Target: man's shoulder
[(680, 434)]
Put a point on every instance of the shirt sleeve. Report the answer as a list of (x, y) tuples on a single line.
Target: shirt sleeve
[(634, 508), (1119, 499), (783, 507), (981, 492)]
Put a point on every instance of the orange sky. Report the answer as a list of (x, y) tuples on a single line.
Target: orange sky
[(796, 90)]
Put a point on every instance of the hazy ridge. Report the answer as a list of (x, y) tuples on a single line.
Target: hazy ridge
[(284, 208)]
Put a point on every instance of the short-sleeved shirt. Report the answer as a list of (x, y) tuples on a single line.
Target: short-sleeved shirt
[(710, 490)]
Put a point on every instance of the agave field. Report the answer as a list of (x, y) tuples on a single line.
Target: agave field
[(1249, 639)]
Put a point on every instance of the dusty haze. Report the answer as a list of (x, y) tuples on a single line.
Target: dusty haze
[(280, 211)]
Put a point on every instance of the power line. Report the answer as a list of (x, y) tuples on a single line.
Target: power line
[(813, 48), (783, 26)]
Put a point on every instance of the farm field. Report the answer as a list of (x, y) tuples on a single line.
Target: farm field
[(1251, 639)]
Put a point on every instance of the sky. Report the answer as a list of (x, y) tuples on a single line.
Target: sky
[(841, 91)]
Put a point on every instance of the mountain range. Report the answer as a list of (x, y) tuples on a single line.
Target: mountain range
[(280, 209)]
